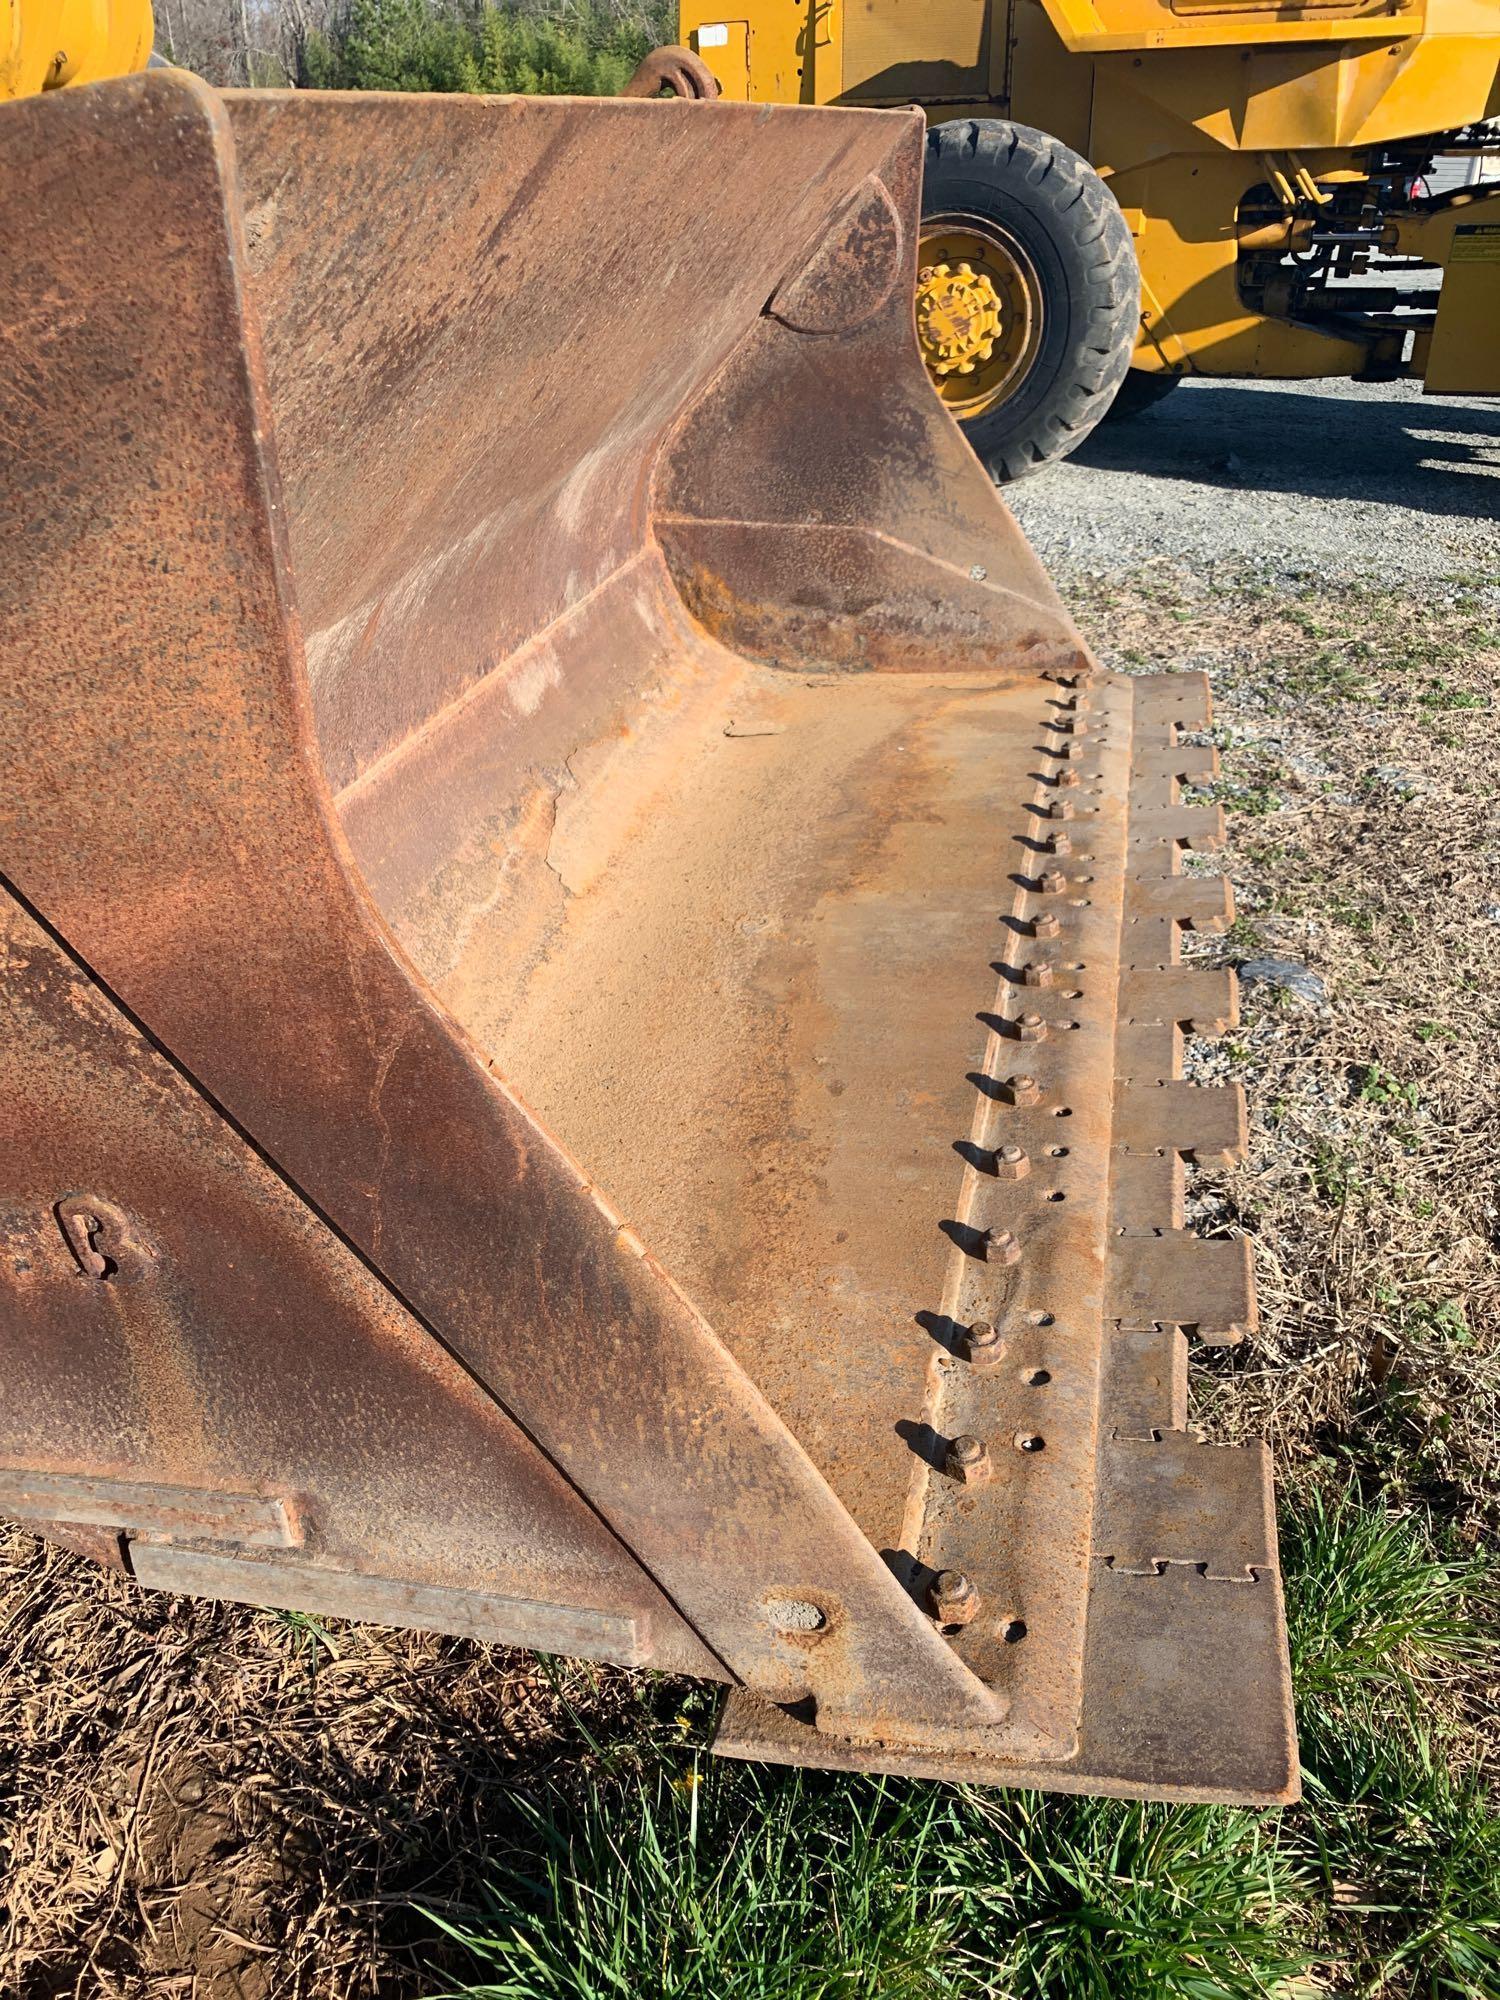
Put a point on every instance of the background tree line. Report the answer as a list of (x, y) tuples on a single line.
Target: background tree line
[(583, 48)]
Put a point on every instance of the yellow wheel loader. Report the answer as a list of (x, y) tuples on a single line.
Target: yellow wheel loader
[(1267, 165), (591, 985)]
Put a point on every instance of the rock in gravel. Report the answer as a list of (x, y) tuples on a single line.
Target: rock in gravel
[(1410, 784), (1289, 974)]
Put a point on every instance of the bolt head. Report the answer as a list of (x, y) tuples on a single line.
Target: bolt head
[(1031, 1028), (1024, 1090), (1052, 881), (1036, 972), (1011, 1163), (1045, 924), (982, 1343), (953, 1598), (1062, 809), (1067, 779), (1001, 1247), (967, 1460), (1060, 844)]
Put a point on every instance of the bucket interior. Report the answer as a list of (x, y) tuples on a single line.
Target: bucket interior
[(734, 927)]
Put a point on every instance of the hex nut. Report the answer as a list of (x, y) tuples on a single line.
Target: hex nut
[(967, 1460), (1067, 779), (1036, 972), (952, 1598), (1045, 924), (1059, 843), (1031, 1028), (1052, 881), (1061, 809), (982, 1343), (1024, 1089), (1001, 1247), (1011, 1163)]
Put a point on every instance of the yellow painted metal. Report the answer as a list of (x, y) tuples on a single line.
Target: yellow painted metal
[(1090, 27), (1185, 106), (882, 59), (1193, 317), (725, 47), (45, 44), (958, 317), (790, 53), (1465, 355), (979, 312), (1454, 233)]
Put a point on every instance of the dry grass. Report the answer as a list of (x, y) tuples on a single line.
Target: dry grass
[(1361, 786), (210, 1801)]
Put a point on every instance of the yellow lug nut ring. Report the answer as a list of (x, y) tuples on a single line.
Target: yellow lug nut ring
[(979, 311), (958, 317)]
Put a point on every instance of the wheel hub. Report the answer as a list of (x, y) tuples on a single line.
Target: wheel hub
[(958, 317)]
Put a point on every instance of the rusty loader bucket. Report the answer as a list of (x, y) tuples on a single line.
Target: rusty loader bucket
[(591, 987)]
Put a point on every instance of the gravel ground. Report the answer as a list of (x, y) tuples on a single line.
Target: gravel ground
[(1342, 479)]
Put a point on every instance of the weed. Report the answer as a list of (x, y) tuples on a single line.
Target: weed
[(1351, 915), (1441, 1320), (1255, 800), (1334, 1173), (747, 1884), (1441, 695), (1378, 1086), (309, 1636)]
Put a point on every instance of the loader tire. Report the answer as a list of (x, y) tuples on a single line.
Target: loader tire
[(1028, 291)]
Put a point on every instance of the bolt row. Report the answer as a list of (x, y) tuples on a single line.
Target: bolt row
[(952, 1596)]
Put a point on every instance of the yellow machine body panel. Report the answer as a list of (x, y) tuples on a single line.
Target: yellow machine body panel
[(1469, 314), (1091, 26), (1185, 108), (45, 44)]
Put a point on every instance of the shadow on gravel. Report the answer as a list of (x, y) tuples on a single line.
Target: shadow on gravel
[(1439, 455)]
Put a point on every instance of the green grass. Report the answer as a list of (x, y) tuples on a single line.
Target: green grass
[(719, 1880), (678, 1876)]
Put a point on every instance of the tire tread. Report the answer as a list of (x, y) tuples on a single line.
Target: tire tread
[(1091, 220)]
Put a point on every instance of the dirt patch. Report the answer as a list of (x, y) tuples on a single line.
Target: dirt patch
[(209, 1800)]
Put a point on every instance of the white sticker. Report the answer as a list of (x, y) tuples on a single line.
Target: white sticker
[(715, 36)]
